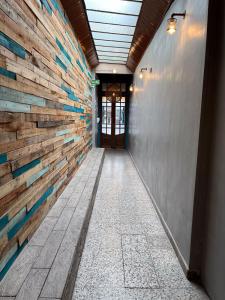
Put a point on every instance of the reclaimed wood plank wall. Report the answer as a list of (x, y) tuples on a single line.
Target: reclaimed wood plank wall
[(45, 116)]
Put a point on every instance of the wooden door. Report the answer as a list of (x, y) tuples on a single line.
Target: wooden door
[(113, 120)]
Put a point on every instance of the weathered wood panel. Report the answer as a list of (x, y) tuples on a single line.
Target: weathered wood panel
[(45, 116)]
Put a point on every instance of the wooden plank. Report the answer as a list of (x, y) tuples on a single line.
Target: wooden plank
[(42, 131)]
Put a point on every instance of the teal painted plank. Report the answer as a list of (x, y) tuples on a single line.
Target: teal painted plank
[(8, 94), (63, 50), (31, 212), (89, 75), (25, 168), (35, 177), (14, 107), (3, 221), (7, 73), (61, 64), (70, 93), (11, 260), (13, 46), (73, 97), (62, 132), (73, 109), (47, 6), (80, 66), (58, 8), (73, 138), (71, 42), (20, 215), (3, 157), (7, 257)]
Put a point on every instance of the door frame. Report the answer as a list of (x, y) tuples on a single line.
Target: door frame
[(114, 78)]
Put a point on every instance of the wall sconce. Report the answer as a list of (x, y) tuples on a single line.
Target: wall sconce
[(131, 88), (172, 22), (114, 71), (141, 72)]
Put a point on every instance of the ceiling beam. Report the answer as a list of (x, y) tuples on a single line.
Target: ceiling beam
[(75, 10), (151, 15)]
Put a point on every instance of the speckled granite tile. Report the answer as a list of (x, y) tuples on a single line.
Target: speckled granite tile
[(139, 294), (139, 270), (122, 209)]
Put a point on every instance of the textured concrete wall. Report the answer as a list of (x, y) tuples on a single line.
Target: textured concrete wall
[(165, 117)]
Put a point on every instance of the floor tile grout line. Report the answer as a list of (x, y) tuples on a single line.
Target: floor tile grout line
[(65, 231), (60, 243), (71, 277)]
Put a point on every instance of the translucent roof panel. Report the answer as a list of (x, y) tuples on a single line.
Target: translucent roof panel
[(118, 6), (112, 49), (97, 16), (100, 27), (112, 24), (108, 53), (112, 44), (112, 62), (111, 37), (112, 57)]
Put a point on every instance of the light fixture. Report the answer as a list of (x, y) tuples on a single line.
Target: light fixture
[(114, 71), (131, 88), (141, 72), (172, 22)]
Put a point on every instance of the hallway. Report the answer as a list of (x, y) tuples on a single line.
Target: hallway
[(127, 254), (112, 164)]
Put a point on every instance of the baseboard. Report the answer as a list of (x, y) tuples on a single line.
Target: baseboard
[(181, 259)]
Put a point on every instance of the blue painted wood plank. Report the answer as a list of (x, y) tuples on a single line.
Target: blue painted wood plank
[(25, 168), (80, 66), (60, 63), (7, 257), (37, 175), (70, 93), (75, 138), (58, 8), (47, 6), (14, 107), (63, 50), (13, 46), (71, 42), (31, 212), (73, 109), (3, 158), (12, 259), (20, 215), (69, 108), (8, 94), (62, 132), (3, 221), (7, 73)]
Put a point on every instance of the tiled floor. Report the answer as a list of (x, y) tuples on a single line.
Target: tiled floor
[(127, 254), (40, 271)]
